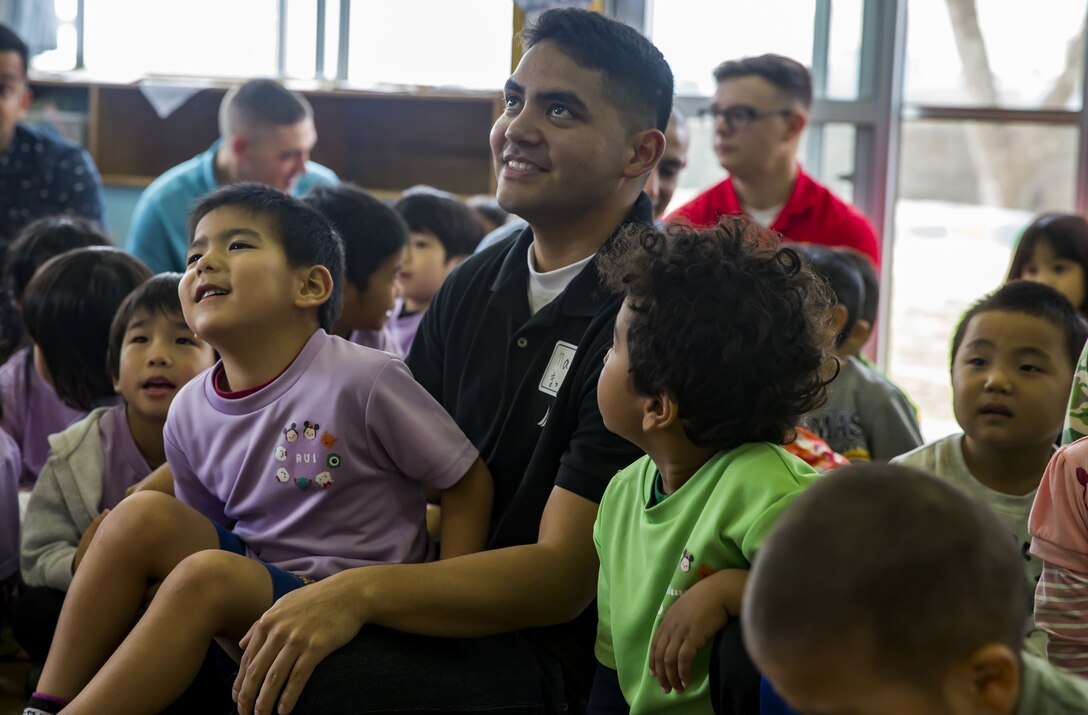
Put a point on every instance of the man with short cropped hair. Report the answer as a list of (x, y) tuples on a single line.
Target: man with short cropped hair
[(665, 178), (266, 134), (40, 175), (760, 110)]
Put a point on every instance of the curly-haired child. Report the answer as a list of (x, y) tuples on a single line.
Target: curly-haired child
[(720, 346)]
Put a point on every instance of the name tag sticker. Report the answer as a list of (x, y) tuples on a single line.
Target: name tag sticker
[(556, 372)]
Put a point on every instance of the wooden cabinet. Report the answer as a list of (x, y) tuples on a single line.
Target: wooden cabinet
[(382, 141)]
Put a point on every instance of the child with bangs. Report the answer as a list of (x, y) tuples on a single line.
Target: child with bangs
[(297, 456), (1012, 362), (677, 531), (152, 354)]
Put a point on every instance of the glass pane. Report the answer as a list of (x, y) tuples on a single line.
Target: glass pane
[(703, 170), (301, 43), (994, 53), (835, 168), (844, 49), (180, 38), (425, 49), (694, 35), (61, 59), (963, 199)]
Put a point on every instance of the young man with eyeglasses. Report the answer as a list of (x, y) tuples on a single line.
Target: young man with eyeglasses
[(760, 110)]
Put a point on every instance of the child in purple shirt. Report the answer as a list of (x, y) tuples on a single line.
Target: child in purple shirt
[(67, 310), (300, 452), (152, 354), (374, 238), (444, 232)]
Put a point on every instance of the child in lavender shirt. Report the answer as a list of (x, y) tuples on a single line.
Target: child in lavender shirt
[(444, 232), (300, 452), (10, 466), (67, 310), (152, 354), (374, 238)]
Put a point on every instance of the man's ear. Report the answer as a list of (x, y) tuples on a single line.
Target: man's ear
[(24, 101), (796, 124), (839, 316), (314, 287), (993, 678), (644, 151), (238, 145), (659, 413)]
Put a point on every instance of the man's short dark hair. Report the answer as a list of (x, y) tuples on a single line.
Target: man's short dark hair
[(10, 42), (68, 309), (725, 321), (789, 77), (870, 304), (454, 224), (307, 237), (155, 296), (842, 277), (370, 230), (637, 79), (894, 561), (261, 103), (1035, 299)]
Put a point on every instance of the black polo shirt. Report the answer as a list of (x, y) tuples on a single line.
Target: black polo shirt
[(523, 387)]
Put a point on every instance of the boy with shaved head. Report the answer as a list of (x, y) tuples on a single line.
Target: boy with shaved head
[(884, 590)]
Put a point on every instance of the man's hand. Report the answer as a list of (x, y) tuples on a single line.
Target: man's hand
[(282, 649), (703, 610), (85, 540)]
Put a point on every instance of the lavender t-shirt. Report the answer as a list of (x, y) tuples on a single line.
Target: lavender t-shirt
[(124, 464), (323, 469), (378, 340), (404, 327), (10, 468), (32, 412)]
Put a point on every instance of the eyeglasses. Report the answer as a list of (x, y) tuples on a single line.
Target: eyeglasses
[(741, 116)]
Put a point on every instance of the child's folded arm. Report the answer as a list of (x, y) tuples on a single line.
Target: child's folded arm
[(466, 512), (691, 622), (51, 533)]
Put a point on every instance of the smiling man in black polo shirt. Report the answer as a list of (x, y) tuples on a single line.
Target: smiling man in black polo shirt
[(512, 347)]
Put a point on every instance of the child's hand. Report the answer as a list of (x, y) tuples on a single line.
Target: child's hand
[(703, 610), (85, 540)]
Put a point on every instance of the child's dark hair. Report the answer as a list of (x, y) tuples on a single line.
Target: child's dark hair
[(870, 304), (728, 323), (1067, 235), (307, 237), (370, 230), (487, 209), (454, 224), (855, 560), (68, 308), (637, 79), (842, 277), (156, 296), (11, 42), (38, 242), (1031, 298)]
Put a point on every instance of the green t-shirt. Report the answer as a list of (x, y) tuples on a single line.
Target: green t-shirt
[(650, 555), (1076, 418), (1045, 690)]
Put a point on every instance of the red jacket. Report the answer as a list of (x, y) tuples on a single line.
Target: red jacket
[(812, 214)]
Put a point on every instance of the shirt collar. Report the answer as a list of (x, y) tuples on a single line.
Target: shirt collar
[(800, 201), (582, 296)]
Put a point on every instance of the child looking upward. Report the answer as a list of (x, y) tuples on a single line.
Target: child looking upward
[(444, 232), (374, 237), (1012, 364), (67, 310), (678, 529), (297, 456), (866, 417), (152, 354), (883, 591)]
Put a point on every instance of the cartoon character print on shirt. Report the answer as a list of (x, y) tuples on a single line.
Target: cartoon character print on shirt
[(304, 461), (684, 580)]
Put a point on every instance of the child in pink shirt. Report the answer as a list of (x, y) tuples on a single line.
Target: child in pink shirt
[(1059, 537)]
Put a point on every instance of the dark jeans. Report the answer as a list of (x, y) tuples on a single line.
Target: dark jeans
[(734, 681), (35, 622), (385, 671)]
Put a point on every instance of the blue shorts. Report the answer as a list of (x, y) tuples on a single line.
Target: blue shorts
[(283, 582)]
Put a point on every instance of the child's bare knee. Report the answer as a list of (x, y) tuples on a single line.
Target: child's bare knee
[(203, 578), (144, 519)]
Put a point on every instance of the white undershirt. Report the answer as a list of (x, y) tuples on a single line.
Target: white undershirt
[(544, 287), (766, 217)]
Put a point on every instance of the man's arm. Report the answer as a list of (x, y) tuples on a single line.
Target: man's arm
[(498, 591), (466, 512), (149, 238)]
